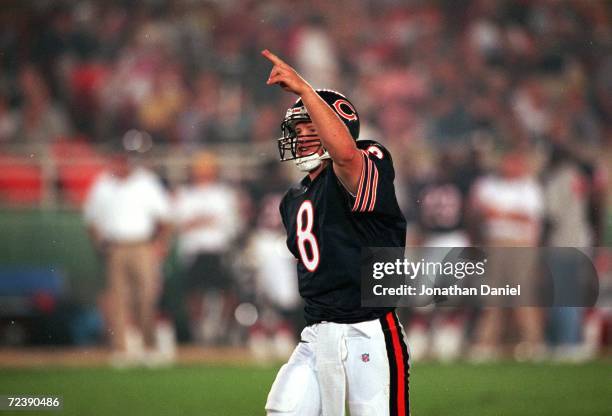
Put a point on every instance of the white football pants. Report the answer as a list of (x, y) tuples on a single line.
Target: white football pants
[(364, 365)]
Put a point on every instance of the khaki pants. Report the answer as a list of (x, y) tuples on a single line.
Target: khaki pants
[(512, 266), (132, 291)]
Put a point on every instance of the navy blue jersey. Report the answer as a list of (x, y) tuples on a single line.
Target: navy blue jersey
[(327, 228)]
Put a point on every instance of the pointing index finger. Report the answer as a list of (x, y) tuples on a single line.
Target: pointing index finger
[(272, 58)]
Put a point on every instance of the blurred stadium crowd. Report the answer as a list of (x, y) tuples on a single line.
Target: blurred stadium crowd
[(498, 114)]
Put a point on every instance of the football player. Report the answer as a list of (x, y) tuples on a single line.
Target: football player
[(348, 355)]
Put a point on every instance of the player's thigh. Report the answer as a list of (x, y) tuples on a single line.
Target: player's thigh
[(367, 371), (377, 369), (295, 391)]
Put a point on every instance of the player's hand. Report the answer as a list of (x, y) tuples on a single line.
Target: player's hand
[(285, 76)]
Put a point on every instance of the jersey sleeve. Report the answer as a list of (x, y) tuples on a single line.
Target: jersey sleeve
[(375, 191)]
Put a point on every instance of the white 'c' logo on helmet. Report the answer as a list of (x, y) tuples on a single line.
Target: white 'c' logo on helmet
[(348, 115)]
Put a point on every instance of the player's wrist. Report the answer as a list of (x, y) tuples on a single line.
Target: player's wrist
[(308, 93)]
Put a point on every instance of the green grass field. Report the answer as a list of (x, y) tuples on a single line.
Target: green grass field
[(436, 389)]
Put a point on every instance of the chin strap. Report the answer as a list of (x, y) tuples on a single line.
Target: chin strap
[(312, 162)]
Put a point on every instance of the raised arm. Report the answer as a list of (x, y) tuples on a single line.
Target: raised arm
[(334, 135)]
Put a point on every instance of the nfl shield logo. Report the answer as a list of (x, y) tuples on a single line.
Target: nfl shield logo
[(365, 357)]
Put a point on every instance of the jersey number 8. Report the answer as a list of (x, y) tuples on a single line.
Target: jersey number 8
[(305, 236)]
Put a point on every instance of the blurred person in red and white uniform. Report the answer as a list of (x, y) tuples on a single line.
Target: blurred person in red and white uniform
[(127, 213), (207, 213), (508, 207)]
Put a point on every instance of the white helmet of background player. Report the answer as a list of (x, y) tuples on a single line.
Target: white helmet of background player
[(288, 143)]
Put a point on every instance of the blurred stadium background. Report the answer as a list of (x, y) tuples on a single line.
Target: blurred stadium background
[(457, 89)]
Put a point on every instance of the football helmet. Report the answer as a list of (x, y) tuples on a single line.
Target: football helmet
[(288, 143)]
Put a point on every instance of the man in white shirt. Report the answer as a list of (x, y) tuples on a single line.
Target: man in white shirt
[(207, 217), (509, 207), (127, 212)]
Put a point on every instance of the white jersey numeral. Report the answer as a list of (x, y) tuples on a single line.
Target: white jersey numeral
[(305, 236)]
